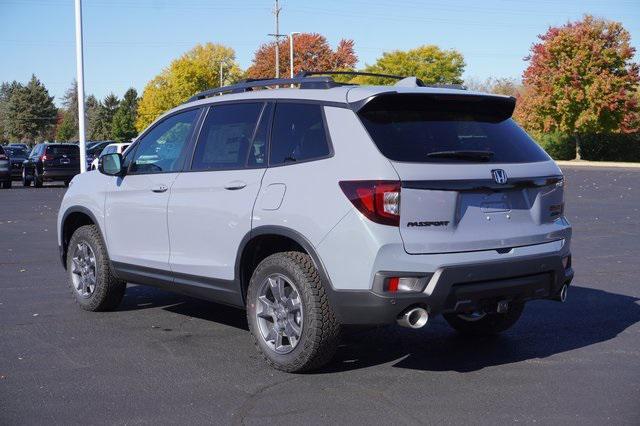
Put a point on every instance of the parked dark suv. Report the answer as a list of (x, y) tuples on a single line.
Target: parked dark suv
[(5, 169), (51, 162), (17, 155)]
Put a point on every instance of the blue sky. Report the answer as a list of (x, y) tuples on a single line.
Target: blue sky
[(128, 42)]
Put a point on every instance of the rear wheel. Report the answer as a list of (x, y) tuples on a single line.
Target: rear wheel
[(37, 180), (289, 314), (25, 180), (93, 284), (6, 185), (482, 323)]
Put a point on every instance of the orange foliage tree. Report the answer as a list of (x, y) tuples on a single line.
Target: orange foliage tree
[(581, 79), (311, 53)]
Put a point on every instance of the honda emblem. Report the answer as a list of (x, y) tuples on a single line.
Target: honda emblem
[(499, 176)]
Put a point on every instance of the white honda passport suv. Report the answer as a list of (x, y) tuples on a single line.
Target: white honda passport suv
[(320, 204)]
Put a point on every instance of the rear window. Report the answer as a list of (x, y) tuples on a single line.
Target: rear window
[(68, 150), (436, 129), (15, 152), (298, 134)]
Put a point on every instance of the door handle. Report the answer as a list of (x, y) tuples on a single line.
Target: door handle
[(235, 184), (160, 188)]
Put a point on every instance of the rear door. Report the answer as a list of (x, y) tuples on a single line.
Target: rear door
[(471, 178), (211, 204)]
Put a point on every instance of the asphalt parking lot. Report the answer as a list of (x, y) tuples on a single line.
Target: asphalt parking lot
[(164, 358)]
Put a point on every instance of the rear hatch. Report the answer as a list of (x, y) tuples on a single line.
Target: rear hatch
[(471, 178), (62, 157)]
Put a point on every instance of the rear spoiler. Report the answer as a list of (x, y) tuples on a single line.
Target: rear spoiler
[(489, 107)]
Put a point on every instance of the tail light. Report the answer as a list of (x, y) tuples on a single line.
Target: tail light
[(3, 157), (45, 158), (378, 200)]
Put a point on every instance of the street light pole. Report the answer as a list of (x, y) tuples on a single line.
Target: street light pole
[(291, 51), (80, 77)]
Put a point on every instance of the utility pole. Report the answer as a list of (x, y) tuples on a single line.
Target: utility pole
[(291, 51), (80, 72), (221, 62), (277, 35)]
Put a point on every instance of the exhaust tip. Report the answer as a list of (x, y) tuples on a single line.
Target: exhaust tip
[(563, 293), (414, 318)]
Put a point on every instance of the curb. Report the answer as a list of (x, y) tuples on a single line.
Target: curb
[(598, 164)]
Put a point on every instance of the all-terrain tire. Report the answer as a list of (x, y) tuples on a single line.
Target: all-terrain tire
[(489, 324), (109, 290), (320, 329)]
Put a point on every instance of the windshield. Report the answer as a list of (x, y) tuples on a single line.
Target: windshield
[(429, 129)]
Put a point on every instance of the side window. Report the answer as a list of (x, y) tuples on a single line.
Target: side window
[(159, 150), (225, 140), (258, 150), (298, 134)]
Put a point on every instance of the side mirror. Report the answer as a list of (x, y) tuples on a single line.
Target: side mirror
[(111, 165)]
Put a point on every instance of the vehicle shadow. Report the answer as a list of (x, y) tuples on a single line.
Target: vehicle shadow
[(139, 297), (546, 328)]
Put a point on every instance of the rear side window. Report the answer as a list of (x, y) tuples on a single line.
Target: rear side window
[(431, 129), (298, 134), (225, 141), (60, 150)]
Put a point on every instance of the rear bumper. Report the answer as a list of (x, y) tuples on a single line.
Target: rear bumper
[(59, 174), (461, 288)]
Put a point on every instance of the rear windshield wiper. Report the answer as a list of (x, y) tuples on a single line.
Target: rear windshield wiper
[(463, 155)]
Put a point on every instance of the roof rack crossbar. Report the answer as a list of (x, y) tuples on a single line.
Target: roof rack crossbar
[(250, 84)]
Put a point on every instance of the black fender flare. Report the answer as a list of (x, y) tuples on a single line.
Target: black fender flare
[(293, 235), (62, 248)]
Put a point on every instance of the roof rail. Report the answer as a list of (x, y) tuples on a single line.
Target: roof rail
[(249, 84), (354, 73)]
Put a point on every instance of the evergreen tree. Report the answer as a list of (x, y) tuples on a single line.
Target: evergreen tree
[(123, 127), (30, 112)]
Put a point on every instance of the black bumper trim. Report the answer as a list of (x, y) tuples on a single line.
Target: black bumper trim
[(532, 277)]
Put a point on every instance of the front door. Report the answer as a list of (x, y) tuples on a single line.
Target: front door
[(136, 206)]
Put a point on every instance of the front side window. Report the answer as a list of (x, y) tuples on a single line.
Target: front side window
[(298, 134), (225, 141), (160, 150)]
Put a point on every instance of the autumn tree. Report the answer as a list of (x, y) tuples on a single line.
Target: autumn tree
[(193, 72), (429, 63), (581, 79), (311, 52), (498, 85)]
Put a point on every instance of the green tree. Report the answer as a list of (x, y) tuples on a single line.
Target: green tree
[(195, 71), (581, 79), (123, 127), (92, 110), (429, 63), (67, 130), (30, 112), (6, 90)]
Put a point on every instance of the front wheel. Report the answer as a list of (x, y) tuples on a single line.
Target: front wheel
[(289, 315), (481, 323), (93, 284)]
